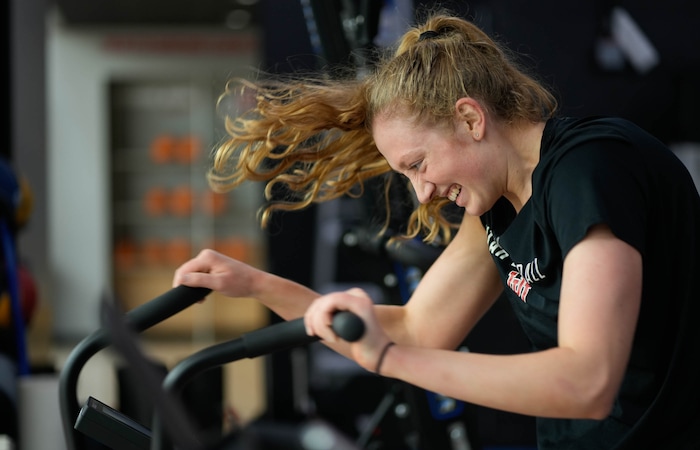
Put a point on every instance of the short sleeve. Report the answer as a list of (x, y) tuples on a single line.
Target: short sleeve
[(596, 183)]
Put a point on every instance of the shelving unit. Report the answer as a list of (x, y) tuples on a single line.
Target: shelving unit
[(163, 211)]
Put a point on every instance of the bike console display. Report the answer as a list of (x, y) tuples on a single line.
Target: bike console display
[(110, 427)]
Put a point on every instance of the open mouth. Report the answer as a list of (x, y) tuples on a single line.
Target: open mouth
[(454, 193)]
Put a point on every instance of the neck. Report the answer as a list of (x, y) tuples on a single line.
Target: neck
[(525, 140)]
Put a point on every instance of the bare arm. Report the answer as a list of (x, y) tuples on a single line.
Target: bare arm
[(599, 306), (453, 294), (451, 297), (235, 279)]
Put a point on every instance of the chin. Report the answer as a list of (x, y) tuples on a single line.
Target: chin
[(472, 210)]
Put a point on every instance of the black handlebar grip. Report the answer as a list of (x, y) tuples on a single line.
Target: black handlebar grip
[(292, 333), (164, 306), (348, 326)]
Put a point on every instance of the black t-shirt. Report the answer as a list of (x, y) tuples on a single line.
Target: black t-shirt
[(608, 171)]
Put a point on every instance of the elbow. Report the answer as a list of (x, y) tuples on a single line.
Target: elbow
[(593, 401), (597, 409), (584, 408), (601, 396)]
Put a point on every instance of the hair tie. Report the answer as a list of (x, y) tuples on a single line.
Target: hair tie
[(430, 34)]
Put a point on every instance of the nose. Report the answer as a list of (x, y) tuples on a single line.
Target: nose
[(424, 190)]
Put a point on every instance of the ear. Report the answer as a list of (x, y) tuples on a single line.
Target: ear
[(470, 112)]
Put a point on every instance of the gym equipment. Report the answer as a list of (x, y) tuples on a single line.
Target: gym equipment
[(416, 418), (139, 319), (108, 426)]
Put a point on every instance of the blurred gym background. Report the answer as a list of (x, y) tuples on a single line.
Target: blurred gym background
[(110, 117)]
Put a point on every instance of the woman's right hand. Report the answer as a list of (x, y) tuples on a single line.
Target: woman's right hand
[(218, 272)]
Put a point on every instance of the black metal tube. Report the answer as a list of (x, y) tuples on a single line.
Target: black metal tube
[(139, 319), (68, 385), (270, 339)]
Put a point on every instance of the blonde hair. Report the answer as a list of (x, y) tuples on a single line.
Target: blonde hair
[(313, 135)]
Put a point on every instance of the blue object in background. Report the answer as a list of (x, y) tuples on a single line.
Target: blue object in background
[(9, 200)]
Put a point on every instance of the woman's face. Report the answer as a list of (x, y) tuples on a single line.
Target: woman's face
[(440, 161)]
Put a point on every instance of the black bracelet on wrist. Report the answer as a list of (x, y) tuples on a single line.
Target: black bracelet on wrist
[(381, 357)]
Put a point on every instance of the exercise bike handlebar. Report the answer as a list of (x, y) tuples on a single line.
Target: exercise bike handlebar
[(259, 342), (273, 338), (139, 319), (270, 339)]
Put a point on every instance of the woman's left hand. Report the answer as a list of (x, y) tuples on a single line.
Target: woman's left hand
[(319, 317)]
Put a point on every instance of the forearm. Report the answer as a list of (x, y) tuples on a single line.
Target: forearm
[(286, 298), (453, 295), (290, 300), (551, 383)]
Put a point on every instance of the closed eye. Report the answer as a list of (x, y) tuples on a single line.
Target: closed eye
[(416, 165)]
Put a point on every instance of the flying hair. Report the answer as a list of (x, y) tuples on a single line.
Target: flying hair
[(310, 138)]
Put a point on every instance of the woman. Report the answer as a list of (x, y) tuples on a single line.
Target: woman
[(590, 226)]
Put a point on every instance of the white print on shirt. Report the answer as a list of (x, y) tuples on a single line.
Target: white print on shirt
[(531, 271), (519, 280), (494, 247)]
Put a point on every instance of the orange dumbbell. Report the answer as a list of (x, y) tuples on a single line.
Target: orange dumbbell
[(155, 201), (187, 149), (180, 201), (163, 149)]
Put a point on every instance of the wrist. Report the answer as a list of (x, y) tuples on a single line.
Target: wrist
[(382, 357), (258, 283)]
